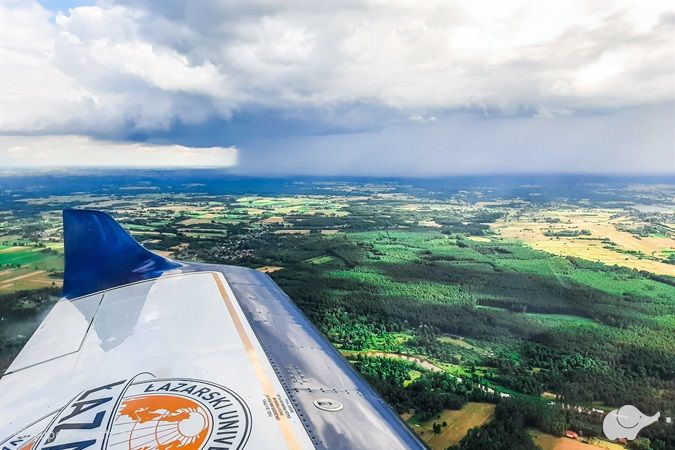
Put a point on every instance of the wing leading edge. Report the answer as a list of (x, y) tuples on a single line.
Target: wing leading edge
[(144, 352)]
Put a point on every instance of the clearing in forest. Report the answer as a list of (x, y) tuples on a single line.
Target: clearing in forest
[(471, 415), (22, 279), (269, 269), (550, 442)]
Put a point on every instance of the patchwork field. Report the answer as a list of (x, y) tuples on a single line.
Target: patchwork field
[(28, 267), (594, 234)]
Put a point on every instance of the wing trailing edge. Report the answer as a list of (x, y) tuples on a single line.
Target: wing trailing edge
[(100, 254)]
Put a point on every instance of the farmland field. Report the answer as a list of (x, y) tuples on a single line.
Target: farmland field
[(457, 423), (609, 236), (548, 442), (497, 304)]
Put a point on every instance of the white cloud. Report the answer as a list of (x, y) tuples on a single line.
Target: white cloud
[(123, 67), (72, 151), (33, 91), (420, 118)]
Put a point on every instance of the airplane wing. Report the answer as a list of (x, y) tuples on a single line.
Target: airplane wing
[(147, 353)]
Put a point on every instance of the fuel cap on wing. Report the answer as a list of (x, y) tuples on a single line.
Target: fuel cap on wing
[(328, 404)]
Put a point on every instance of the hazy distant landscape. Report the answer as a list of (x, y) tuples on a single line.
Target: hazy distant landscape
[(522, 306)]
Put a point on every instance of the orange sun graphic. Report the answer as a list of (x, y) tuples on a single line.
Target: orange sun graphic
[(29, 445), (159, 422)]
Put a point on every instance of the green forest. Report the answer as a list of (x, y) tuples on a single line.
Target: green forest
[(593, 335)]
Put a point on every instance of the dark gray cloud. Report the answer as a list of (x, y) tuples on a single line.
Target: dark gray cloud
[(639, 140), (304, 77)]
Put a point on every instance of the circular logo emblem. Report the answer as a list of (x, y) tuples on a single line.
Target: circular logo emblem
[(178, 414), (154, 414)]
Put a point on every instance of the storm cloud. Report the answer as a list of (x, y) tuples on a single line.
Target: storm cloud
[(306, 86)]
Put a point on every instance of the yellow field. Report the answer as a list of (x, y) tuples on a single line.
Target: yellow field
[(292, 232), (602, 224), (201, 221), (23, 279), (269, 269), (429, 223), (12, 249), (471, 415), (146, 233), (550, 442), (273, 219), (479, 239)]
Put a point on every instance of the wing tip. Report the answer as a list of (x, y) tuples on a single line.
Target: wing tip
[(100, 254)]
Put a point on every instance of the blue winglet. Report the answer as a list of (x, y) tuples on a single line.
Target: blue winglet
[(100, 254)]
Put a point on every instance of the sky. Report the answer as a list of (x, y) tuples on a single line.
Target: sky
[(340, 87)]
